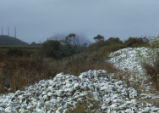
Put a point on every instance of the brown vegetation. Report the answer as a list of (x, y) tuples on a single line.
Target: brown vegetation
[(16, 72), (153, 71), (22, 66)]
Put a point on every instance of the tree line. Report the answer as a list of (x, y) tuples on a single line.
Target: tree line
[(58, 49)]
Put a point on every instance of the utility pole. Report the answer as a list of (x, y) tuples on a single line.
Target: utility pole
[(8, 31), (15, 32)]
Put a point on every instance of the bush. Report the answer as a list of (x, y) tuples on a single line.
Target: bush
[(105, 44), (113, 40), (113, 47), (153, 71), (52, 48), (18, 52), (59, 50), (136, 42)]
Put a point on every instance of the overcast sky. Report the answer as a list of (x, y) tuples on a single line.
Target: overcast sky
[(37, 20)]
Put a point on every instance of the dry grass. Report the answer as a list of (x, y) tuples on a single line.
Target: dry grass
[(77, 64), (20, 67), (17, 72), (153, 71)]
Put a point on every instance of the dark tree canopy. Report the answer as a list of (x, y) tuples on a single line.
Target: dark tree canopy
[(136, 41), (113, 40), (52, 48), (99, 38)]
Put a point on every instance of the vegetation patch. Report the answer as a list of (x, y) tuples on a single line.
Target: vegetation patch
[(25, 65)]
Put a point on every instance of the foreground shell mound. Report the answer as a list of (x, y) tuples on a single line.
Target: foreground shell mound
[(94, 91)]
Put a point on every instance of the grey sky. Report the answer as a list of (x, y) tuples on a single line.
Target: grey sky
[(38, 19)]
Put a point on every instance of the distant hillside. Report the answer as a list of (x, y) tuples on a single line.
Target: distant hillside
[(7, 40)]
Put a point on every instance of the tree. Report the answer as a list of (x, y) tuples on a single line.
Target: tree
[(99, 38), (72, 39), (72, 44), (52, 48)]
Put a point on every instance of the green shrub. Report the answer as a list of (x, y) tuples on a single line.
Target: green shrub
[(59, 50), (109, 43), (52, 49), (136, 42), (113, 40)]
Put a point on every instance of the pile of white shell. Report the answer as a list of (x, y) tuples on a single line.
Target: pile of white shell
[(65, 91), (131, 59)]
